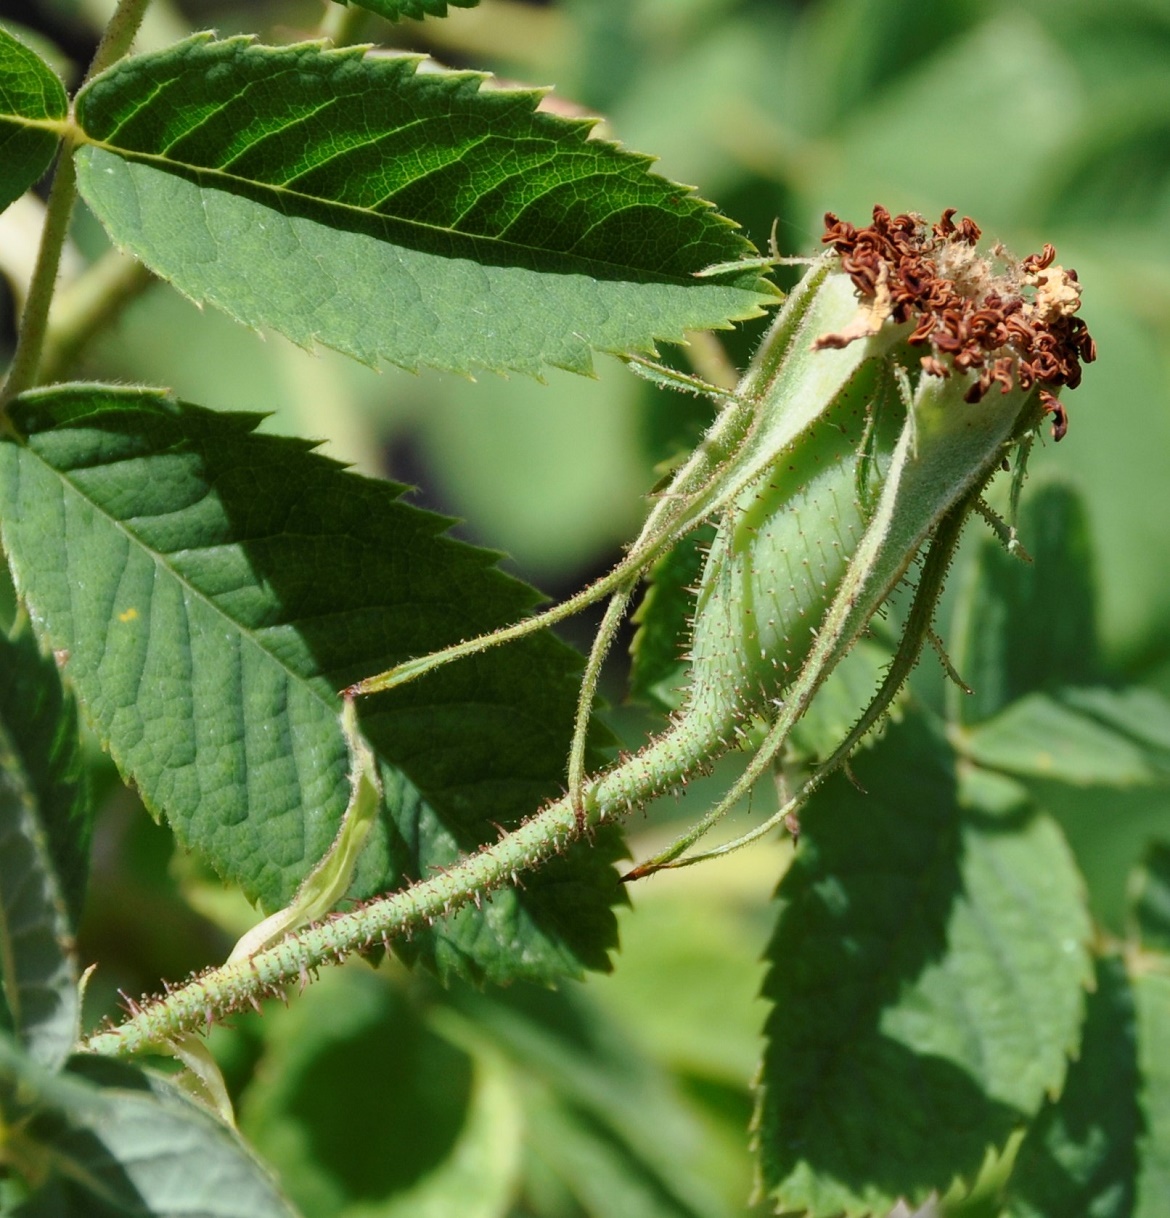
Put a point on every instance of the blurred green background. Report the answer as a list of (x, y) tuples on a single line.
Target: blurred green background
[(1045, 120)]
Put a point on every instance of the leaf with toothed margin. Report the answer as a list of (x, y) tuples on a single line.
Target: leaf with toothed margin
[(213, 588), (927, 977), (393, 213), (1024, 628), (1080, 1155)]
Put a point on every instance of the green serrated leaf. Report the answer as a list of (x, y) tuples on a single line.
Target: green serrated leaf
[(1080, 737), (1150, 895), (212, 589), (398, 214), (1152, 999), (927, 974), (395, 10), (44, 832), (412, 1123), (1020, 628), (114, 1140), (1079, 1156), (31, 97)]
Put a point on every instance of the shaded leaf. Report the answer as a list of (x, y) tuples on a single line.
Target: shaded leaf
[(1082, 737), (1151, 899), (42, 719), (1080, 1156), (395, 10), (213, 588), (1152, 995), (1019, 627), (362, 1101), (397, 214), (30, 93), (119, 1142), (44, 832), (927, 976)]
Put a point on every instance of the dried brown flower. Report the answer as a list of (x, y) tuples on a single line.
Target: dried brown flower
[(1012, 323)]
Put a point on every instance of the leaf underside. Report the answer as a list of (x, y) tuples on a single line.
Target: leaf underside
[(124, 1142), (44, 835), (927, 972), (212, 588), (29, 89), (399, 214)]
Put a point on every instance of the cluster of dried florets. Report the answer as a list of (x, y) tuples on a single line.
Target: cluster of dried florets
[(1014, 323)]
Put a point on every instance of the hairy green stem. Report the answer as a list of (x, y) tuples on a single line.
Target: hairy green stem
[(119, 35), (614, 613), (671, 517), (237, 986)]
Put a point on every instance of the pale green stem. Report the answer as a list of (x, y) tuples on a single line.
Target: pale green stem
[(86, 307), (22, 375), (119, 35), (614, 613), (707, 356), (342, 24)]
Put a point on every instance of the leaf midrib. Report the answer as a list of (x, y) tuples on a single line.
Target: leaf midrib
[(161, 559), (189, 172)]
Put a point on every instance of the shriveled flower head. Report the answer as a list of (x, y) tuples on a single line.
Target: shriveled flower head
[(1010, 322)]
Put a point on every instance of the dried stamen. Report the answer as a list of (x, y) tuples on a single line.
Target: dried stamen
[(1012, 324)]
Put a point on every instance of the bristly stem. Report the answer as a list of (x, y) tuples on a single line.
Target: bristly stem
[(237, 986), (116, 41)]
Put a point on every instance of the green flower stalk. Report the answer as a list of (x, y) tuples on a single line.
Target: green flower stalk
[(892, 386)]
